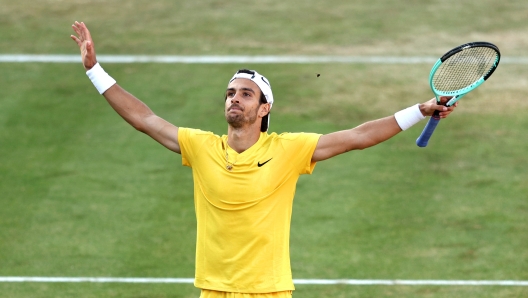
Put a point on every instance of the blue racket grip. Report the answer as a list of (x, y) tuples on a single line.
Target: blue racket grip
[(423, 139)]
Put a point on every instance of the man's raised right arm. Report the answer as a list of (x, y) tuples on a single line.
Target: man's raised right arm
[(130, 108)]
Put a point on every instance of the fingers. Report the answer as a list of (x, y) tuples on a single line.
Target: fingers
[(82, 31), (79, 43), (433, 107), (79, 40), (85, 31), (85, 43), (77, 28), (445, 111), (445, 99)]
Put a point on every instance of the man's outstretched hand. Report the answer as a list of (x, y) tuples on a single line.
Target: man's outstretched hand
[(85, 43), (429, 107)]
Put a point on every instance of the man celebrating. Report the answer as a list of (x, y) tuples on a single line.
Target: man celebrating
[(244, 182)]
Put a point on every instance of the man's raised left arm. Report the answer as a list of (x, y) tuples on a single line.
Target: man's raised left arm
[(374, 132)]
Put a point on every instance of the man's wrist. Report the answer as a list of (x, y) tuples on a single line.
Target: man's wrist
[(101, 80), (409, 117)]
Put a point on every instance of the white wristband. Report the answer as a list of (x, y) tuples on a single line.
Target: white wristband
[(409, 116), (101, 80)]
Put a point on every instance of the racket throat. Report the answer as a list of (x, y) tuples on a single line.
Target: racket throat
[(454, 99)]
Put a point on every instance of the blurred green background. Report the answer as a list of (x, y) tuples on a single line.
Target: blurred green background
[(84, 194)]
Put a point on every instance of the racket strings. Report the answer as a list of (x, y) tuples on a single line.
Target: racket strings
[(464, 68)]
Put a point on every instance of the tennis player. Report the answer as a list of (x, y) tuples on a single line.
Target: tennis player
[(244, 182)]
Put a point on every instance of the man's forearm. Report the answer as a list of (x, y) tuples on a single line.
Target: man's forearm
[(125, 104), (130, 108), (374, 132)]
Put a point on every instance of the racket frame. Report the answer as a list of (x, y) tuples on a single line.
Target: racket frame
[(458, 94), (423, 139)]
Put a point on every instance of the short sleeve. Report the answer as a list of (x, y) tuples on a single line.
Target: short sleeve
[(302, 146), (190, 140)]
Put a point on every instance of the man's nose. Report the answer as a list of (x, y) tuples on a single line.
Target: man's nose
[(235, 99)]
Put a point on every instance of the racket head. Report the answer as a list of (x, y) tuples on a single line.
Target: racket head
[(463, 69)]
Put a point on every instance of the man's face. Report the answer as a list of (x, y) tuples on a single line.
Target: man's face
[(242, 103)]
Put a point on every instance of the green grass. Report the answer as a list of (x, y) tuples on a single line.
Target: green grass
[(263, 27), (84, 194)]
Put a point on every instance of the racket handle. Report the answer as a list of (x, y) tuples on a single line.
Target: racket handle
[(423, 139)]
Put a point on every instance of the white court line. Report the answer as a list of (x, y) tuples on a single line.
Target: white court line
[(218, 59), (95, 279), (394, 282), (388, 282), (215, 59)]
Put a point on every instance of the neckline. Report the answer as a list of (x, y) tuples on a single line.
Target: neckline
[(248, 151)]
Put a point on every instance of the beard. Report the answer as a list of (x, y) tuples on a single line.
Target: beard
[(239, 120)]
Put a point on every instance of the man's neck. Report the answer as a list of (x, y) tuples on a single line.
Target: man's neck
[(241, 139)]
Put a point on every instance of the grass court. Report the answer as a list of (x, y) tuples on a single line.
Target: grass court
[(84, 194)]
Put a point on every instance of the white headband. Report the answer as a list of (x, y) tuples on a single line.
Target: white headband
[(258, 79)]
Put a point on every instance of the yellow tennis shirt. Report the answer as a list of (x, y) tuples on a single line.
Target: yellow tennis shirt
[(243, 214)]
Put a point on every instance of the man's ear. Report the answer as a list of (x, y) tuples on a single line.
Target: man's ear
[(264, 109)]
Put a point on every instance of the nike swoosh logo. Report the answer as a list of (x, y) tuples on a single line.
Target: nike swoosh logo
[(261, 164)]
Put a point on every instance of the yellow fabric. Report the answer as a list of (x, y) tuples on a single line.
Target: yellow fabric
[(243, 215), (216, 294)]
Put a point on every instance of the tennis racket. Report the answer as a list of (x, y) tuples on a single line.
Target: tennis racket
[(458, 72)]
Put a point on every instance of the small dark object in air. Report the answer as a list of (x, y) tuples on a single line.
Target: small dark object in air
[(318, 75)]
